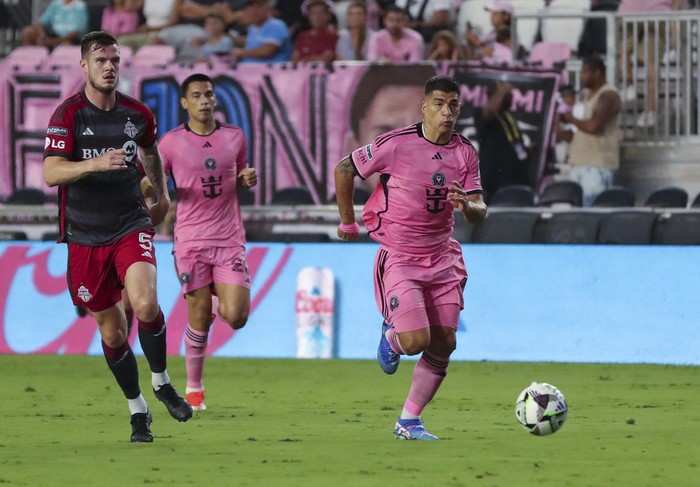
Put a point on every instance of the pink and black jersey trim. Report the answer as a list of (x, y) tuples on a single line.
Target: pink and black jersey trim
[(410, 130), (382, 256)]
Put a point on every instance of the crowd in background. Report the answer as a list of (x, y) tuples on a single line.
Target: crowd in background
[(308, 30), (302, 31)]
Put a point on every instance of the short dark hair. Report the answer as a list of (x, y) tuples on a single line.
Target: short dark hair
[(194, 78), (595, 63), (377, 77), (567, 90), (441, 83), (95, 40), (394, 8), (216, 15)]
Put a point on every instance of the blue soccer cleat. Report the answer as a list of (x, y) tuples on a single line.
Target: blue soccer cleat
[(387, 358), (412, 429)]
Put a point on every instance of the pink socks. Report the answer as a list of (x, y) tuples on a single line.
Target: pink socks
[(195, 351)]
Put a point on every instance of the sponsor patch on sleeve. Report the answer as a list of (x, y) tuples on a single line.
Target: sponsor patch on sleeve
[(60, 131)]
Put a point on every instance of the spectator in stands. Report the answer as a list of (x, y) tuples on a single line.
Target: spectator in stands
[(501, 51), (445, 47), (319, 42), (595, 146), (396, 42), (218, 42), (352, 41), (649, 50), (480, 47), (267, 40), (63, 22), (593, 38), (504, 156), (187, 36), (428, 16), (121, 17), (565, 104), (158, 15), (386, 95), (289, 12)]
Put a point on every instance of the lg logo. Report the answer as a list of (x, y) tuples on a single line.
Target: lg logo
[(54, 144)]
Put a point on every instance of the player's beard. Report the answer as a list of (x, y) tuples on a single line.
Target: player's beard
[(106, 90)]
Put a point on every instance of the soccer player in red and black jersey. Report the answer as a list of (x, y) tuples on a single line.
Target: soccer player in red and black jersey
[(91, 149)]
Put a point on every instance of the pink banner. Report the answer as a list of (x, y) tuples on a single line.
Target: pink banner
[(300, 121)]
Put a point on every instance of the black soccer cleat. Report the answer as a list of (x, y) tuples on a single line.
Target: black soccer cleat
[(177, 406), (141, 427)]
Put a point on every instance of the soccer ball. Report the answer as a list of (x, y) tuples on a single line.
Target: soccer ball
[(541, 409)]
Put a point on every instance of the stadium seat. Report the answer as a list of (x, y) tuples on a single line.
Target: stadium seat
[(64, 56), (614, 197), (668, 198), (305, 237), (7, 235), (473, 11), (506, 227), (631, 227), (26, 196), (547, 53), (153, 55), (517, 195), (682, 228), (569, 227), (463, 231), (26, 56), (292, 196), (246, 197), (527, 28), (360, 196), (562, 192), (566, 30), (126, 53), (696, 202)]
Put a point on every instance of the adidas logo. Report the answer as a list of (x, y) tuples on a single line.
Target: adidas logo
[(437, 156), (207, 145), (88, 131)]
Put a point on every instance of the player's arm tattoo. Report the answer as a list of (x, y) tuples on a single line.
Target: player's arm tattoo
[(347, 167), (153, 165)]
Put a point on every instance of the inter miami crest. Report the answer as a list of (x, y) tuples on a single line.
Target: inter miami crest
[(438, 179), (210, 164), (185, 277), (394, 302)]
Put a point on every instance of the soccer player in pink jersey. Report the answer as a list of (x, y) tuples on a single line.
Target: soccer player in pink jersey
[(90, 153), (426, 170), (208, 163)]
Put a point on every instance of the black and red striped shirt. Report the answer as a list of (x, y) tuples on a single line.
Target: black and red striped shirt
[(101, 208)]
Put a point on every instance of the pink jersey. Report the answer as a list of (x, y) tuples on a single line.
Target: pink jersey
[(205, 171), (381, 47), (408, 212)]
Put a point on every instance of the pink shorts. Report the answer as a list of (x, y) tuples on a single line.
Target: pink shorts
[(199, 267), (423, 286), (96, 274)]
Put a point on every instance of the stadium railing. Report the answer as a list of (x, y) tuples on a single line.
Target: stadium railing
[(666, 53)]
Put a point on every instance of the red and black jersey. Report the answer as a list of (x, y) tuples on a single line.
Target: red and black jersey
[(101, 207)]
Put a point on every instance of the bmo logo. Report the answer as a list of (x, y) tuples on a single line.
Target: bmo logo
[(54, 144), (129, 147)]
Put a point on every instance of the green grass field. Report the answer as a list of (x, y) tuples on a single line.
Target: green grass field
[(329, 423)]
